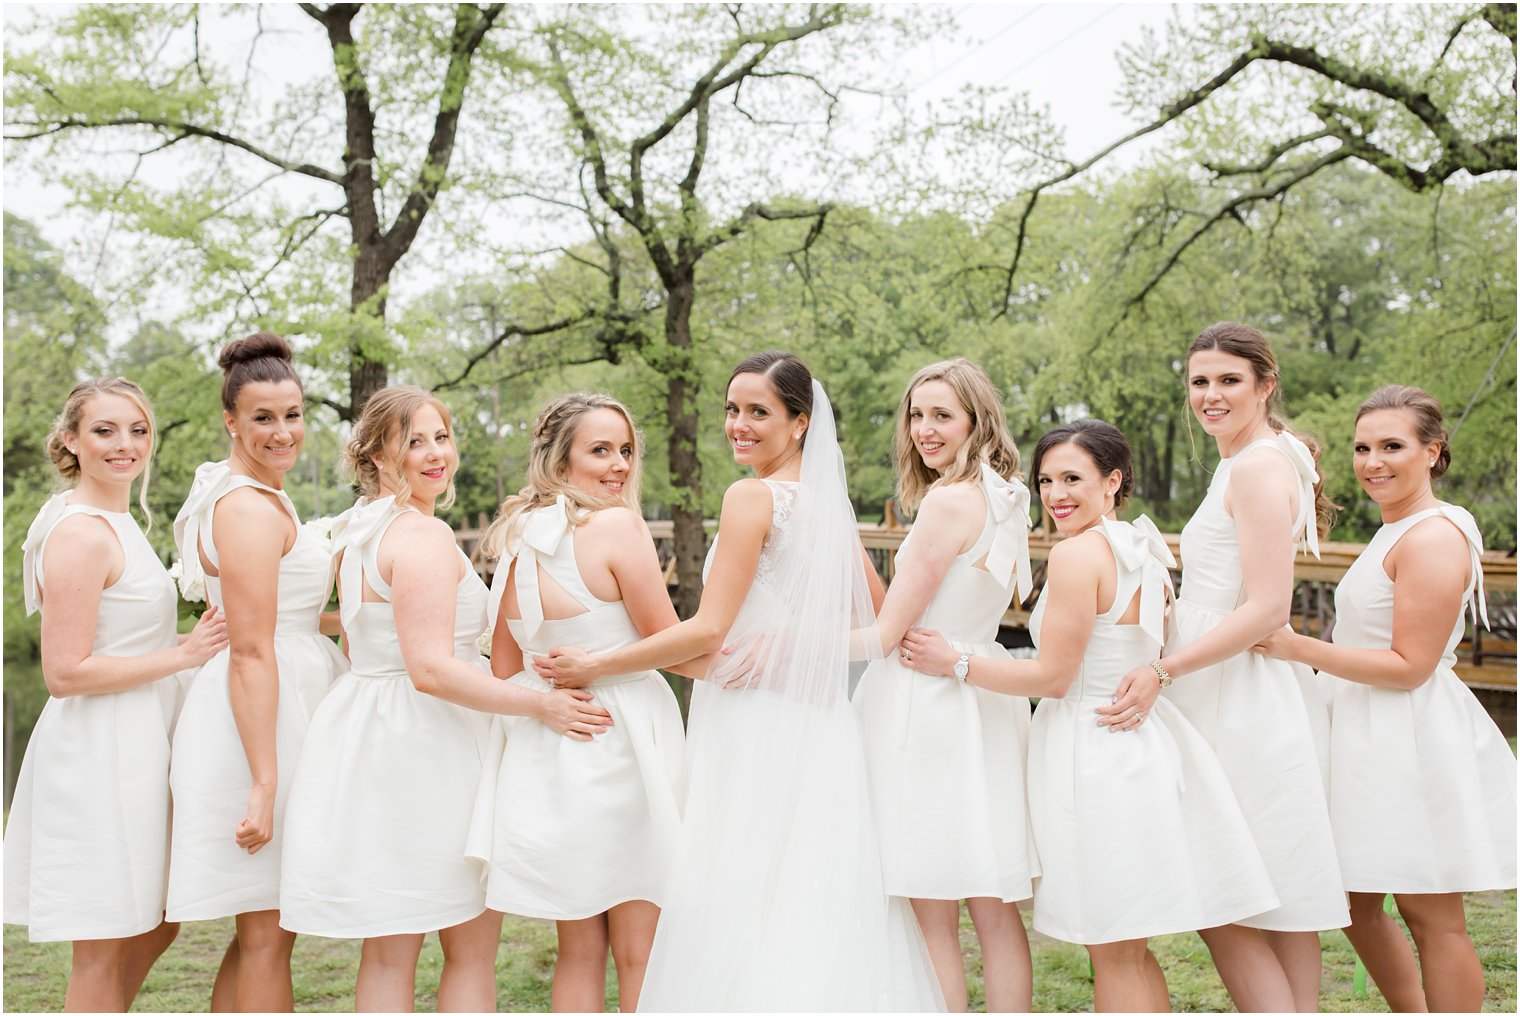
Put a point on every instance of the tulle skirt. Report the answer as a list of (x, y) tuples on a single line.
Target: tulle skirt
[(775, 900), (379, 813), (946, 763), (572, 828), (210, 876), (1250, 709), (87, 844), (1422, 789)]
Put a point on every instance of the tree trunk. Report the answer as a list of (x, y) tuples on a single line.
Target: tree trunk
[(683, 389), (367, 297)]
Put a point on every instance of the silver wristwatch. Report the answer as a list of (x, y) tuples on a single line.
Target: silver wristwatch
[(962, 667)]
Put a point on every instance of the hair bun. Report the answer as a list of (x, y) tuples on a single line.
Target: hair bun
[(259, 346)]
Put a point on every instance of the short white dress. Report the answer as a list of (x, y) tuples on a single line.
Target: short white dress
[(572, 828), (946, 760), (1251, 710), (210, 876), (379, 807), (87, 845), (1139, 832), (1422, 783)]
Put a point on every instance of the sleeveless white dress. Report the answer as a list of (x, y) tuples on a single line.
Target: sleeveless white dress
[(210, 876), (87, 845), (572, 828), (775, 901), (1139, 832), (379, 807), (1251, 710), (946, 760), (1422, 783)]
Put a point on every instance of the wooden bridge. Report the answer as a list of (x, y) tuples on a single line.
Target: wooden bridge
[(1485, 660)]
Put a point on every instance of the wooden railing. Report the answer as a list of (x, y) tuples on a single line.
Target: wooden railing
[(1485, 659)]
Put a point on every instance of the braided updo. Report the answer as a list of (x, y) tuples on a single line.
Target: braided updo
[(549, 463)]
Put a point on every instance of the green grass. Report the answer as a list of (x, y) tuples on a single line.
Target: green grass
[(35, 975)]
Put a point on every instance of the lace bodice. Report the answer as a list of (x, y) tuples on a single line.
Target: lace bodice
[(783, 504), (773, 551)]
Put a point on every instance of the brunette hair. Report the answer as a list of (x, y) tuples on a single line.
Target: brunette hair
[(1104, 443), (549, 462), (65, 462), (383, 429), (989, 440), (263, 356), (789, 378), (1252, 346), (1429, 424)]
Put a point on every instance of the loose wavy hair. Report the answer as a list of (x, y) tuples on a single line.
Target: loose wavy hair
[(989, 440)]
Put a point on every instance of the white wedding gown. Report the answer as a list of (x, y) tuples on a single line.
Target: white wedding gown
[(776, 900)]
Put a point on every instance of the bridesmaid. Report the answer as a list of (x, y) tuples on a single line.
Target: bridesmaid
[(93, 793), (1187, 860), (1422, 784), (380, 806), (946, 760), (578, 568), (1237, 588), (247, 712)]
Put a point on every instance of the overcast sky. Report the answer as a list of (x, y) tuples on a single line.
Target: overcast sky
[(1063, 55)]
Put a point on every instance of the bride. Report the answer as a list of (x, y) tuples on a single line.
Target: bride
[(776, 900)]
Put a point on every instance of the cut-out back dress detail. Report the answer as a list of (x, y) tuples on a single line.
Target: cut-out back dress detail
[(1187, 859), (379, 812), (573, 828)]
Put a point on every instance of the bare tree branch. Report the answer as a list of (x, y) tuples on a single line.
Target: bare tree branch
[(1229, 209), (1168, 114), (183, 130), (509, 332)]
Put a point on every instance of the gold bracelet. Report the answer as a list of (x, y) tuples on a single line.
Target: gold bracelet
[(1166, 679)]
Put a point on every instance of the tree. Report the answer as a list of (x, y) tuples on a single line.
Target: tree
[(650, 179), (1426, 103), (144, 72)]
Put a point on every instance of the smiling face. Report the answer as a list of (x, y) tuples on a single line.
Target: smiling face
[(1227, 397), (427, 458), (938, 424), (601, 454), (268, 426), (1073, 490), (1390, 462), (757, 426), (113, 442)]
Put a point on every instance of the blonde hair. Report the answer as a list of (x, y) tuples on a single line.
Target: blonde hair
[(382, 430), (1252, 346), (67, 422), (549, 461), (989, 440)]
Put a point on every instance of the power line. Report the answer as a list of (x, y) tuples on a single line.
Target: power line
[(991, 38), (1059, 42)]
